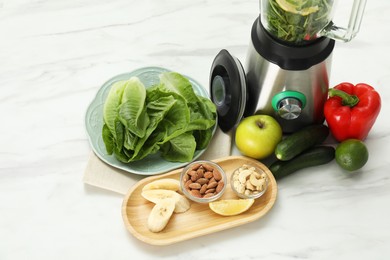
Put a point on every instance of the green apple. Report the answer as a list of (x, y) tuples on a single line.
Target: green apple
[(258, 135)]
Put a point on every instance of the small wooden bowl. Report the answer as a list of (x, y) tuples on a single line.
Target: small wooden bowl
[(136, 209)]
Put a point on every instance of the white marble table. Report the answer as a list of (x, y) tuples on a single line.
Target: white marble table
[(54, 56)]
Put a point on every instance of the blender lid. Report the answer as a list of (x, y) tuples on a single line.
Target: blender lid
[(228, 89)]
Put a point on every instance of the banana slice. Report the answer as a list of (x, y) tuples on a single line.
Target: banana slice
[(159, 194), (160, 215), (297, 7), (163, 184), (181, 203)]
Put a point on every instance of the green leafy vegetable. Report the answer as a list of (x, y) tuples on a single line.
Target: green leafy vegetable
[(168, 117), (296, 21), (180, 148), (111, 106), (174, 82), (132, 112), (108, 139)]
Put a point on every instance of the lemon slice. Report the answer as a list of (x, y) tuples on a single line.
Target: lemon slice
[(231, 207), (289, 7)]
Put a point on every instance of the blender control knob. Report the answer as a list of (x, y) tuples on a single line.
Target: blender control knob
[(289, 104), (289, 108)]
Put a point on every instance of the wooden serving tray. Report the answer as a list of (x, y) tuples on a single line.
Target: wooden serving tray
[(136, 209)]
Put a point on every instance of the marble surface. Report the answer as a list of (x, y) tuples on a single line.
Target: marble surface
[(54, 56)]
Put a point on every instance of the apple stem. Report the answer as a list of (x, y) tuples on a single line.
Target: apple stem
[(260, 124)]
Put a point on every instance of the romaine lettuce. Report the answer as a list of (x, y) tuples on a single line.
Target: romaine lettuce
[(168, 117)]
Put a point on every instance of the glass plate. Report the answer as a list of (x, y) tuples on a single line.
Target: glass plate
[(152, 164)]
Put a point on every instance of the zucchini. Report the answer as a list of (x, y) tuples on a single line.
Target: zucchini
[(314, 156), (300, 141)]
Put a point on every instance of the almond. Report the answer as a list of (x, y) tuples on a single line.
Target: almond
[(210, 191), (186, 185), (212, 185), (192, 172), (219, 187), (208, 167), (196, 193), (208, 195), (208, 175), (203, 189), (200, 172), (217, 175), (202, 181), (195, 186), (194, 177)]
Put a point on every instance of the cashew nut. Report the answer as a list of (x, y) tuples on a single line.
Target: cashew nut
[(256, 182), (243, 175)]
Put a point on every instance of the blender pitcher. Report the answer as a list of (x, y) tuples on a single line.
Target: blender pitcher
[(301, 21)]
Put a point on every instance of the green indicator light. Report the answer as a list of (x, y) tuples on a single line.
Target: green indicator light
[(288, 94)]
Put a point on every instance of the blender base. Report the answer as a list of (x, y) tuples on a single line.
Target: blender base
[(274, 70)]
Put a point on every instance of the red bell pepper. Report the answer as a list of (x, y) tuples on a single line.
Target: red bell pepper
[(351, 111)]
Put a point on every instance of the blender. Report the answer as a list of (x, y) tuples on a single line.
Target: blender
[(288, 64)]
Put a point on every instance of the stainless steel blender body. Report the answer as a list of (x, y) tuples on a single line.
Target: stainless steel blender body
[(287, 82), (265, 80)]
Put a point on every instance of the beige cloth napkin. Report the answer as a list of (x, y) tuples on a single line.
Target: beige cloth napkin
[(99, 174)]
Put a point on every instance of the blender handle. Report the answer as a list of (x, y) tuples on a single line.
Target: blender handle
[(346, 34)]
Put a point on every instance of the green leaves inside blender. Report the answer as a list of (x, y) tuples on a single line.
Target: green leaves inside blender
[(297, 21)]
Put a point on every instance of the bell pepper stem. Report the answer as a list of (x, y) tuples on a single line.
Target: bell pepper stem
[(347, 99)]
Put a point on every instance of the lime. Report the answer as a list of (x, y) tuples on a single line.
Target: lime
[(231, 207), (351, 154)]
